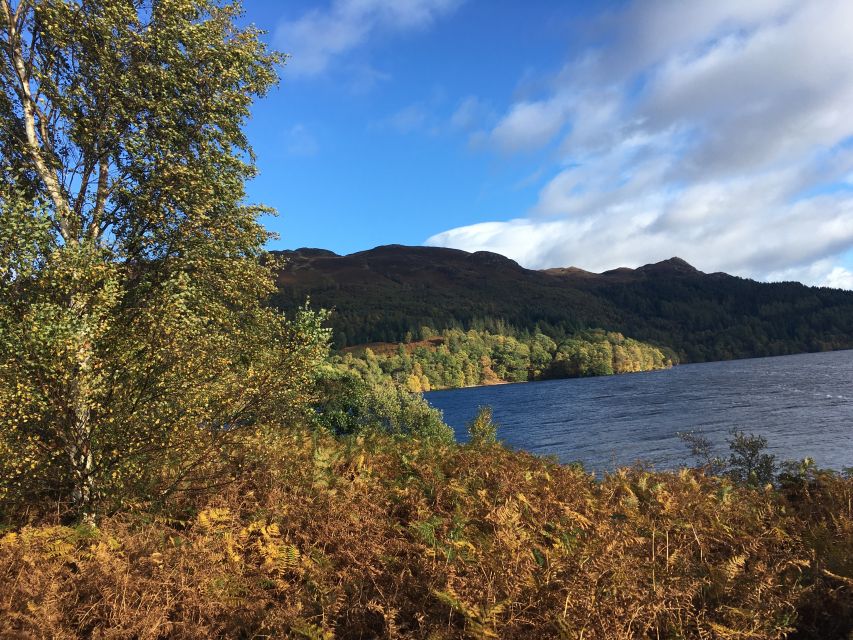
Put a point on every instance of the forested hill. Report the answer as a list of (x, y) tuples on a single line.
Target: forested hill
[(388, 293)]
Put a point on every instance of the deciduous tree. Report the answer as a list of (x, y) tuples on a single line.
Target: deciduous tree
[(134, 346)]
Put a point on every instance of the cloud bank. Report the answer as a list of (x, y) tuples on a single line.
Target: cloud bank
[(319, 38), (721, 132)]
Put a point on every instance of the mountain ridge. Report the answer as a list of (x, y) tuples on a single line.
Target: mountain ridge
[(674, 263), (389, 292)]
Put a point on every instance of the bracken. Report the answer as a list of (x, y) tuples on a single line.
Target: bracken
[(391, 537)]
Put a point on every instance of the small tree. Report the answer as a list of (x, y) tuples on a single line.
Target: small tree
[(482, 430), (748, 462), (134, 346), (702, 450)]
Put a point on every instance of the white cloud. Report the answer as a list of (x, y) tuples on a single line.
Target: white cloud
[(529, 125), (821, 273), (409, 119), (838, 278), (471, 113), (715, 131), (299, 141), (319, 37)]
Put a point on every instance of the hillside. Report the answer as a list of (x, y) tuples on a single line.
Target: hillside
[(383, 294), (468, 358)]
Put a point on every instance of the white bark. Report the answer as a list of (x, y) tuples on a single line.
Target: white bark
[(34, 145)]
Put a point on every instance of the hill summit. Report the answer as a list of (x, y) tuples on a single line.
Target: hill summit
[(388, 293)]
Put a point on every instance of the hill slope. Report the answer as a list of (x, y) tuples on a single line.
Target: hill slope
[(384, 293)]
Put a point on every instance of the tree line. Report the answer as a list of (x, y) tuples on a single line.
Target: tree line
[(453, 358)]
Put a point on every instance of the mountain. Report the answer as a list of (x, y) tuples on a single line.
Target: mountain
[(382, 294)]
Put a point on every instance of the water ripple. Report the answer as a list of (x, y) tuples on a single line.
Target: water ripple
[(802, 404)]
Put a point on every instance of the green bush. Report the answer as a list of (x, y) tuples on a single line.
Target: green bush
[(482, 430)]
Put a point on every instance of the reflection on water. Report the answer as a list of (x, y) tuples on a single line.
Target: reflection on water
[(802, 404)]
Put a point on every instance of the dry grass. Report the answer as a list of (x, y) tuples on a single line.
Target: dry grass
[(389, 538)]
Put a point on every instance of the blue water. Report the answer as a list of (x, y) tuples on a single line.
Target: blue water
[(802, 404)]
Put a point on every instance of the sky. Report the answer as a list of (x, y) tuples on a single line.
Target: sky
[(560, 133)]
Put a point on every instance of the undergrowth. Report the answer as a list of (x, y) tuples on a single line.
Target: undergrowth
[(386, 537)]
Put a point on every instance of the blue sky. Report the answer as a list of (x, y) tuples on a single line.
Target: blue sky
[(594, 134)]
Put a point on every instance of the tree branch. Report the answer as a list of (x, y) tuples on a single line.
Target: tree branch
[(100, 197), (22, 88)]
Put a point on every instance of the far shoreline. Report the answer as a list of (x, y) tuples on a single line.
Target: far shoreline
[(629, 373), (608, 375)]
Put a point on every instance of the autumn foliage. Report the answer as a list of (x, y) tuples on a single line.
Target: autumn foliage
[(177, 462), (389, 537), (135, 347)]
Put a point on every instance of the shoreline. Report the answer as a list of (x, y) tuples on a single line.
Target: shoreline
[(609, 375), (681, 364)]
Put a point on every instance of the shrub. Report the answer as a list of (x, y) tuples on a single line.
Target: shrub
[(482, 430), (349, 405), (748, 463), (375, 536)]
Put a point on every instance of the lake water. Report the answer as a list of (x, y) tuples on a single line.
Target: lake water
[(802, 404)]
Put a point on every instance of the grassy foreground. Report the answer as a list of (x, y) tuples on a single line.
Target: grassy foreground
[(389, 537)]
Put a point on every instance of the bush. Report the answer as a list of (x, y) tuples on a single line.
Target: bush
[(376, 536), (747, 464), (482, 430), (348, 405)]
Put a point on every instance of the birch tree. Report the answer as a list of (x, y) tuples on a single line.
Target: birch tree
[(134, 345)]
